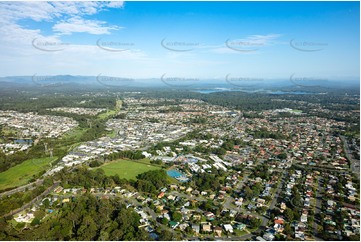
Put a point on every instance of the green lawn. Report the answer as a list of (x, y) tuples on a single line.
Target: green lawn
[(22, 173), (74, 134), (128, 169), (112, 134), (240, 232), (107, 114), (119, 104)]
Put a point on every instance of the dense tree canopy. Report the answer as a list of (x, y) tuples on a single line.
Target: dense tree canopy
[(85, 218), (151, 181)]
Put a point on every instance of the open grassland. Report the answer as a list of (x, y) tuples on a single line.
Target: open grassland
[(107, 114), (22, 173), (118, 105), (74, 134), (128, 169)]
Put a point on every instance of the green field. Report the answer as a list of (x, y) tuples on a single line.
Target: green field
[(112, 134), (128, 169), (22, 173), (107, 114), (74, 134)]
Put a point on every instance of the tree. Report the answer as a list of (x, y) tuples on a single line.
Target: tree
[(94, 163), (87, 218), (164, 221), (289, 214), (296, 201), (156, 162), (248, 193), (39, 214), (279, 237), (104, 235), (282, 156), (254, 223), (219, 151), (287, 229), (36, 221), (177, 216), (165, 235), (354, 237), (88, 229), (46, 203), (261, 210), (157, 178), (145, 186)]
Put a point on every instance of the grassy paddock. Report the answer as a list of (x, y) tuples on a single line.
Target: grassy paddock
[(107, 114), (22, 173), (74, 134), (128, 169)]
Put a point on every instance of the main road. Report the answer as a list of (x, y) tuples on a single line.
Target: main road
[(29, 204), (354, 164), (29, 186)]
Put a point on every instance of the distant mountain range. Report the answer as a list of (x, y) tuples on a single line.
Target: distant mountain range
[(172, 82)]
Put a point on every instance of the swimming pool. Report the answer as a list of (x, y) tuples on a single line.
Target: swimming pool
[(177, 175), (174, 173)]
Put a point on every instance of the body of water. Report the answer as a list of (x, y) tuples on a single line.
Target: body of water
[(23, 141), (207, 91), (296, 93), (177, 175)]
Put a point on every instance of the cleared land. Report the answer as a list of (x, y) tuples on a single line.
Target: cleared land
[(107, 114), (22, 173), (118, 105), (74, 134), (128, 169)]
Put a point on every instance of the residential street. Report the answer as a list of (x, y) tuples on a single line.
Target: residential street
[(319, 193)]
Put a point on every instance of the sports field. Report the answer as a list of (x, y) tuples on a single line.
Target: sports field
[(128, 169), (22, 173)]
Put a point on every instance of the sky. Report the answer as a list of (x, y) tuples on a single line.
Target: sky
[(203, 40)]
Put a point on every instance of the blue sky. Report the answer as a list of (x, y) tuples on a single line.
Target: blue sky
[(205, 40)]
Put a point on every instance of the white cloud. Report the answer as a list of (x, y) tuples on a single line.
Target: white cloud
[(115, 4), (79, 25), (28, 50), (256, 40), (39, 11), (68, 15), (13, 33), (248, 45), (13, 11), (263, 39)]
